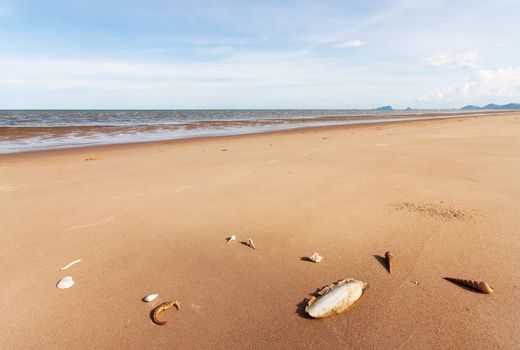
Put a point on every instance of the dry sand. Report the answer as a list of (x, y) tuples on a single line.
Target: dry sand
[(442, 196)]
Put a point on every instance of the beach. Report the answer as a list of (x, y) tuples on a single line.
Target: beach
[(441, 195)]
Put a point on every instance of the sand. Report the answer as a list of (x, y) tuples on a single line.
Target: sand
[(442, 196)]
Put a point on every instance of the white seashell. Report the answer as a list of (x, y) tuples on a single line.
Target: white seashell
[(231, 238), (337, 298), (250, 243), (316, 257), (150, 297), (70, 264), (65, 282)]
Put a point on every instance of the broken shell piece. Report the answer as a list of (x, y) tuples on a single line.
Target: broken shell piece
[(70, 264), (150, 297), (337, 298), (316, 257), (65, 282), (231, 238), (480, 286), (249, 243), (164, 307), (389, 261)]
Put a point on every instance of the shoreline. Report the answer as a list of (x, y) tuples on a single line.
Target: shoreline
[(426, 113), (370, 122)]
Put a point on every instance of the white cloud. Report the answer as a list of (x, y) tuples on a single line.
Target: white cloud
[(349, 44), (241, 69), (452, 91), (501, 83), (448, 60), (283, 79)]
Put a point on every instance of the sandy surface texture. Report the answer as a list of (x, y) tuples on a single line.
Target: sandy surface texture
[(442, 196)]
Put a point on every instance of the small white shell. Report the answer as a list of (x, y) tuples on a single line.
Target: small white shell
[(65, 282), (150, 297), (316, 257), (250, 243), (70, 264), (231, 238), (337, 298)]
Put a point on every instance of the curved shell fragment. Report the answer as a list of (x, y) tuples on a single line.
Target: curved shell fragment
[(231, 238), (65, 282), (70, 265), (163, 307), (335, 298)]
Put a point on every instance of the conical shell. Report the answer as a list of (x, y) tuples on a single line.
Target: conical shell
[(389, 261), (336, 299), (231, 238), (483, 287), (65, 282)]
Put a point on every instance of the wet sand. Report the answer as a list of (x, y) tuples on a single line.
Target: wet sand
[(17, 139), (441, 195)]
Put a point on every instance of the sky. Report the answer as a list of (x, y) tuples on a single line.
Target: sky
[(166, 54)]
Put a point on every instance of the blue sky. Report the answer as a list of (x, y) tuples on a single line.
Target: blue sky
[(258, 54)]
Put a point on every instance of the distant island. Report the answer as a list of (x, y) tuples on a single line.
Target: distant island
[(493, 106), (384, 108), (390, 108)]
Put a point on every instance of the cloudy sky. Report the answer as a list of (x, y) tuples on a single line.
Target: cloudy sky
[(258, 54)]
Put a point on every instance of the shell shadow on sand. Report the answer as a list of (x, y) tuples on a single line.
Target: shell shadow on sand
[(306, 258), (382, 260), (300, 309), (150, 314), (249, 243)]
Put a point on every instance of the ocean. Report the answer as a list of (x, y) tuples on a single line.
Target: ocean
[(30, 130)]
